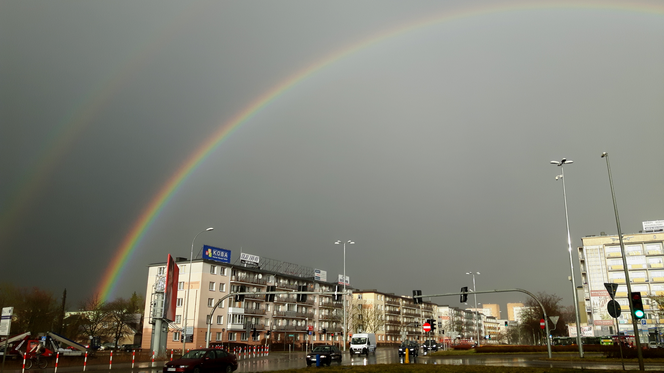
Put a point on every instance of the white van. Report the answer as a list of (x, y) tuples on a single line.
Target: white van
[(363, 343)]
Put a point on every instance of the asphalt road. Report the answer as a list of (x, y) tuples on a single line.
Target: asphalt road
[(284, 360)]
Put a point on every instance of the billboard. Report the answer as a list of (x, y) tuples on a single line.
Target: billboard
[(249, 259), (341, 280), (216, 254), (6, 321), (320, 275), (171, 289)]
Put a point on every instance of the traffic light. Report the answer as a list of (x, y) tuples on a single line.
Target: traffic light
[(270, 297), (417, 296), (254, 333), (637, 304), (432, 322), (267, 333), (464, 297), (302, 297), (324, 330)]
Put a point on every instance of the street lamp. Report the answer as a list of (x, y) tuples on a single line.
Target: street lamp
[(569, 248), (477, 325), (186, 305), (635, 324), (339, 242)]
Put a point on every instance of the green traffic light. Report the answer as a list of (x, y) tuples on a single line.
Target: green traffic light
[(639, 314)]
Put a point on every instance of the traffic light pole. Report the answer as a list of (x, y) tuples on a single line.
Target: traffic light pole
[(546, 324), (635, 325), (209, 321)]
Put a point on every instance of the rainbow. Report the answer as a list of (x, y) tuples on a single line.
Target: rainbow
[(114, 270)]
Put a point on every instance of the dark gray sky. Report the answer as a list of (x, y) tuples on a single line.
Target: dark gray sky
[(429, 148)]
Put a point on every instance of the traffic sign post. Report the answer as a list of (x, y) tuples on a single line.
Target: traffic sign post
[(542, 323), (427, 327)]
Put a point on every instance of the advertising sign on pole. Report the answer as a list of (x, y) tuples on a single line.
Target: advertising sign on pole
[(216, 254), (6, 321), (171, 289)]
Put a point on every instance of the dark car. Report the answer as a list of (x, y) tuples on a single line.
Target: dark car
[(429, 346), (203, 360), (327, 355), (131, 347), (412, 347)]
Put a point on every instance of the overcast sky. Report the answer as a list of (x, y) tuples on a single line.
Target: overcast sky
[(430, 148)]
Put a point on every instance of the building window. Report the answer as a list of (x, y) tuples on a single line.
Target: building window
[(161, 270), (210, 302), (176, 336), (178, 319), (222, 271), (213, 269), (219, 336), (181, 285), (220, 319), (244, 336), (212, 285), (231, 337), (179, 302), (222, 287)]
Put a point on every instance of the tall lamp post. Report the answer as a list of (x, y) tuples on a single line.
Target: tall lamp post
[(345, 332), (569, 249), (635, 324), (477, 324), (186, 302)]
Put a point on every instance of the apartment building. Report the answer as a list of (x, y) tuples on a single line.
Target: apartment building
[(285, 320), (601, 261)]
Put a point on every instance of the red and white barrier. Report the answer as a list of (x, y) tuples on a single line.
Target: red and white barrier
[(171, 354), (85, 361), (24, 363), (133, 358), (57, 358), (110, 361), (153, 358)]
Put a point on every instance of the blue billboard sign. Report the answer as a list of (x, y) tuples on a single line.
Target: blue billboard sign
[(216, 254)]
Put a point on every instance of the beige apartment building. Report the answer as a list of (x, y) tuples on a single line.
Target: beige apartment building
[(601, 261), (286, 320)]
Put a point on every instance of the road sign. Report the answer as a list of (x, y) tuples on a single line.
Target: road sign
[(426, 327), (611, 288), (643, 321), (542, 323), (311, 327), (614, 308)]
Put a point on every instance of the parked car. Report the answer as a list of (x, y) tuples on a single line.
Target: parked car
[(131, 347), (411, 346), (108, 346), (327, 354), (203, 360), (429, 346)]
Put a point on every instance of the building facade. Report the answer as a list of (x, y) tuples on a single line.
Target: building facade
[(601, 261)]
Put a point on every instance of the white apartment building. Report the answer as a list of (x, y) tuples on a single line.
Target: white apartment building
[(601, 261)]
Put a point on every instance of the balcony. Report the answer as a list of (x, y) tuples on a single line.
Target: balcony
[(392, 301), (329, 304), (329, 317), (254, 311), (248, 279), (290, 328), (255, 296), (392, 312), (293, 314)]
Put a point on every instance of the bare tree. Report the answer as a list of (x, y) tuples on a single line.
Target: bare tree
[(93, 318), (35, 310), (532, 314)]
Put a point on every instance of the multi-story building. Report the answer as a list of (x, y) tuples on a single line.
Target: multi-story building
[(252, 319), (391, 317), (601, 261), (512, 311)]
